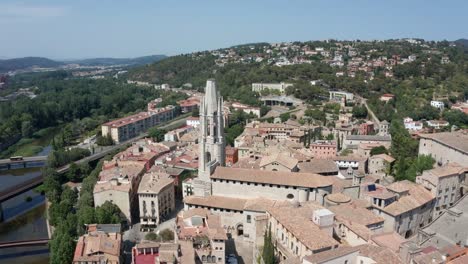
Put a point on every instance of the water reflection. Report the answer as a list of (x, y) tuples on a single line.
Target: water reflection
[(25, 216)]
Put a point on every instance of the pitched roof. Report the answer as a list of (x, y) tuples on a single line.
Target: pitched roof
[(329, 255), (281, 158), (418, 196), (384, 156), (309, 180), (391, 240), (318, 166), (297, 220), (379, 254), (154, 182), (355, 214)]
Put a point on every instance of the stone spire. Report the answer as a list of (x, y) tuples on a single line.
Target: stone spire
[(211, 142)]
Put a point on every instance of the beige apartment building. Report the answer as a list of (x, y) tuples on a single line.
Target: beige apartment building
[(155, 198), (444, 183), (405, 206), (131, 126)]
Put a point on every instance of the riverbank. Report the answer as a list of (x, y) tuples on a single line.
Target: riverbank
[(34, 145)]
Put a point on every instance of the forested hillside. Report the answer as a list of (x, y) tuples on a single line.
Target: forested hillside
[(27, 62)]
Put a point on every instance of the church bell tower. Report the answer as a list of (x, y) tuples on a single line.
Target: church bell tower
[(211, 141)]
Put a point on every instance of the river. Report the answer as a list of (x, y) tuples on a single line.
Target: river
[(24, 219)]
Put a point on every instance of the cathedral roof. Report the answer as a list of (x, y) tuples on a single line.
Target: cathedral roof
[(297, 179)]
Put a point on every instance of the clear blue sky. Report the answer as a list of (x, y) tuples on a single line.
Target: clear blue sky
[(98, 28)]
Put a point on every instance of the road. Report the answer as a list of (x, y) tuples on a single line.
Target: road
[(369, 110)]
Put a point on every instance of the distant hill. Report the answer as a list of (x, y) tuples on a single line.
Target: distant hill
[(462, 42), (119, 61), (27, 62)]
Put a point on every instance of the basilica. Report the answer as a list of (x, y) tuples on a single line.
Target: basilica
[(242, 196)]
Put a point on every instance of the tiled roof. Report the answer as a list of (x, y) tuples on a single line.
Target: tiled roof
[(385, 157), (281, 158), (418, 196), (355, 214), (318, 166), (329, 255), (390, 240), (297, 220), (154, 182), (298, 179), (379, 254)]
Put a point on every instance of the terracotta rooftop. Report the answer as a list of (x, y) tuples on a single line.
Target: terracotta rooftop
[(390, 240), (154, 182), (451, 169), (329, 255), (105, 244), (384, 156), (238, 204), (281, 158), (418, 196), (318, 166), (355, 214), (127, 120), (297, 220), (379, 254), (309, 180)]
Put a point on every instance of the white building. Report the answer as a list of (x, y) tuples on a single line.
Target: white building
[(281, 87), (412, 125), (193, 121), (437, 104), (437, 124), (337, 95)]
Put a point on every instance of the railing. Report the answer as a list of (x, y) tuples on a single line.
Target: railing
[(19, 188), (24, 243)]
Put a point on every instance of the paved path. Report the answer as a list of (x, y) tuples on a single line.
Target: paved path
[(369, 110)]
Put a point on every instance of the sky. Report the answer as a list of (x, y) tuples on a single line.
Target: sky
[(66, 29)]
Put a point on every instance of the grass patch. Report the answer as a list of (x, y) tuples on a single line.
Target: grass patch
[(27, 150)]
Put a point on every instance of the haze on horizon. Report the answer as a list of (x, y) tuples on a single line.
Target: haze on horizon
[(84, 29)]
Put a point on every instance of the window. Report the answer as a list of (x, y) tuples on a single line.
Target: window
[(249, 218), (290, 196)]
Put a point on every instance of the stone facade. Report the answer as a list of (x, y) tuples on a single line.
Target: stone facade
[(156, 198), (445, 147), (445, 184), (212, 144)]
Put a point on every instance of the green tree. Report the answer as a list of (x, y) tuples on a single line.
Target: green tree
[(108, 213), (167, 235), (268, 253), (284, 117), (157, 134), (359, 111), (151, 236), (378, 150)]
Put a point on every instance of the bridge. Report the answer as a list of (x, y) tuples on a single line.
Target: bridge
[(8, 162), (20, 188), (24, 243)]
